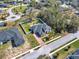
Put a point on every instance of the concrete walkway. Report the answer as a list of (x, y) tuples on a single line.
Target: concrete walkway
[(39, 40)]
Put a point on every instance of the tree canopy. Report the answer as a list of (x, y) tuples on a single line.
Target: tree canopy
[(60, 21)]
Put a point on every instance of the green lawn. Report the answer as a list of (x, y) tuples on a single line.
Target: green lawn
[(76, 44), (31, 39), (26, 27)]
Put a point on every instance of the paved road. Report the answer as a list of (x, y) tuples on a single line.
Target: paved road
[(52, 46)]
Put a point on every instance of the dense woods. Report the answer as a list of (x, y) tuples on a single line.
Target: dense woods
[(65, 20)]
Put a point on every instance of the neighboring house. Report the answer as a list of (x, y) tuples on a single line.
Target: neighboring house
[(12, 35), (75, 3), (72, 2), (65, 1), (3, 5), (43, 2), (74, 55), (13, 3), (7, 1), (2, 24), (40, 29), (26, 1), (1, 11), (15, 0)]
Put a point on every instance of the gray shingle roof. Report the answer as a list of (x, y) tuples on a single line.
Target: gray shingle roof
[(40, 29), (74, 55), (2, 24), (11, 35)]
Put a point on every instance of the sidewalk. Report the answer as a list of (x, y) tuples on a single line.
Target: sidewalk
[(39, 40)]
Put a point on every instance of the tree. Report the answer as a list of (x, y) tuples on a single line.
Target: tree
[(43, 57), (65, 21), (67, 48), (55, 55)]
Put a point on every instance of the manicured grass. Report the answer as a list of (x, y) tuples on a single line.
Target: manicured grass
[(26, 27), (31, 39), (76, 44)]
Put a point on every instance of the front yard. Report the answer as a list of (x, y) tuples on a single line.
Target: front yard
[(65, 52), (31, 39)]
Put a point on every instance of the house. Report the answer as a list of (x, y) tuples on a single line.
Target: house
[(43, 2), (1, 11), (2, 24), (12, 35), (13, 3), (40, 29), (9, 1), (3, 5), (75, 3), (71, 2), (74, 55), (26, 1), (65, 1)]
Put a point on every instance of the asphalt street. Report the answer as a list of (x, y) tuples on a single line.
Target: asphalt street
[(52, 46)]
